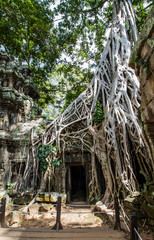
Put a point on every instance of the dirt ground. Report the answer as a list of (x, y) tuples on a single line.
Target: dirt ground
[(72, 219)]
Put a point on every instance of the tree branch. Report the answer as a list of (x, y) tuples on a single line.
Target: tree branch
[(144, 8), (99, 5)]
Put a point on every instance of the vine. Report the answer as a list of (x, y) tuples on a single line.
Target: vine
[(99, 115), (46, 157)]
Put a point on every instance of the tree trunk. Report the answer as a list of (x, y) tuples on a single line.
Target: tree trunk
[(116, 87)]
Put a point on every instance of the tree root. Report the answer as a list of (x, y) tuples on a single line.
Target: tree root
[(116, 87)]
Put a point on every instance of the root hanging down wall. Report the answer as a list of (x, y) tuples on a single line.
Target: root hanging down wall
[(117, 141)]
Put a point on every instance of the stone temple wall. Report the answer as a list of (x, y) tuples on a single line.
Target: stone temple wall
[(18, 111), (143, 62), (144, 66)]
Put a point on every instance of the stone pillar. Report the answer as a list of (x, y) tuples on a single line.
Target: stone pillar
[(5, 166), (10, 82), (1, 168), (63, 179)]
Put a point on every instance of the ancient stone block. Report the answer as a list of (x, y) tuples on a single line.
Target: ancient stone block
[(17, 217), (146, 51), (150, 199), (15, 107), (148, 112), (50, 197), (147, 92), (151, 190), (149, 209), (34, 208), (144, 76), (45, 207), (151, 62)]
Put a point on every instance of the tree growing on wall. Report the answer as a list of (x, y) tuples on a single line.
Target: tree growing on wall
[(115, 90)]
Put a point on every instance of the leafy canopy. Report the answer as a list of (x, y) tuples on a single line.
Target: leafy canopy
[(26, 29), (84, 22), (28, 34), (68, 81), (40, 37)]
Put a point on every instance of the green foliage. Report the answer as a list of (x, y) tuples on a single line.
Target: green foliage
[(56, 162), (141, 12), (99, 115), (10, 185), (74, 81), (94, 199), (28, 34), (142, 63), (25, 29), (140, 116), (41, 128), (46, 156), (82, 25), (38, 36), (68, 81)]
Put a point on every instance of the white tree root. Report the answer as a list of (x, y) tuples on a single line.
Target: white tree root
[(117, 88)]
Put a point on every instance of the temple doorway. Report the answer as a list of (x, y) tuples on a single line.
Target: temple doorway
[(78, 182)]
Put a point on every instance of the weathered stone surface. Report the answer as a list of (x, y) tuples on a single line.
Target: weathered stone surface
[(150, 190), (148, 113), (135, 194), (150, 222), (34, 208), (45, 207), (147, 31), (147, 92), (51, 197), (2, 194), (131, 204), (18, 107), (148, 209), (151, 62), (106, 214), (77, 157), (150, 199), (148, 128), (144, 51), (15, 217), (20, 199), (142, 204)]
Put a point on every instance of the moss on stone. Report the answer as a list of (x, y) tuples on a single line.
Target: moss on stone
[(144, 34), (150, 42)]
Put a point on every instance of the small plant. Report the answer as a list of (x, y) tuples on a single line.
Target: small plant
[(99, 115), (41, 128), (94, 199), (46, 156), (10, 185), (142, 63)]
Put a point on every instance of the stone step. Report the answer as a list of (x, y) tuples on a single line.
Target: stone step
[(79, 204), (86, 234)]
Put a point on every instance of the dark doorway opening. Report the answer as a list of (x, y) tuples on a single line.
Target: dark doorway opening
[(78, 183)]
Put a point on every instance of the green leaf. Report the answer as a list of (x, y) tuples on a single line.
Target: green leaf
[(54, 149), (144, 69)]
